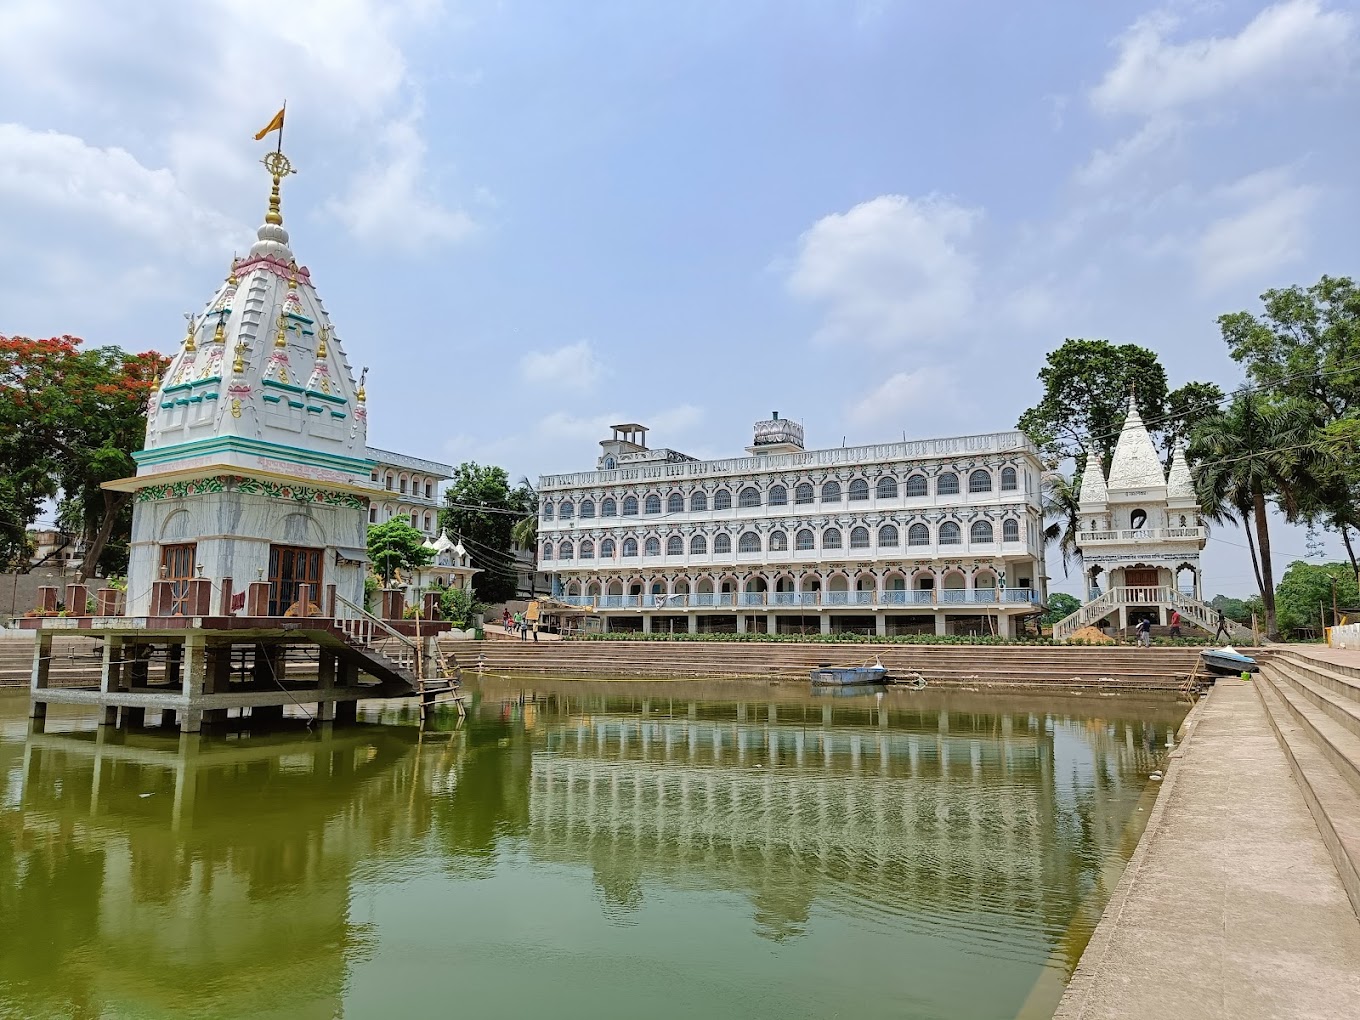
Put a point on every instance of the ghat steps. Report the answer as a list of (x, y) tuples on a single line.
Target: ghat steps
[(1116, 667), (1312, 699)]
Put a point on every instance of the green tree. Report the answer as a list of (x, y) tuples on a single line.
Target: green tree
[(70, 418), (1062, 521), (458, 605), (481, 509), (1186, 407), (1060, 606), (1086, 389), (1304, 597), (1304, 348), (395, 545), (1247, 455)]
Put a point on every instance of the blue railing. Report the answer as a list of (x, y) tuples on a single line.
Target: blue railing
[(891, 597)]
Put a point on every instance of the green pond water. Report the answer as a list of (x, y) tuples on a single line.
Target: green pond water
[(575, 850)]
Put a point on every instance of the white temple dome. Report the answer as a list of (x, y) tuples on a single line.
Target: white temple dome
[(1135, 464)]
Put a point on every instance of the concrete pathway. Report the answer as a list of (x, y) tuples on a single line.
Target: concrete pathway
[(1231, 906)]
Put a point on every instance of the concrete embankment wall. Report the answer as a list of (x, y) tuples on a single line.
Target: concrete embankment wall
[(965, 665)]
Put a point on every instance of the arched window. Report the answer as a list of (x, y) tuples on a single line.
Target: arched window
[(749, 542), (547, 550), (652, 547), (698, 546), (887, 488), (413, 518), (859, 490), (607, 549), (675, 546), (749, 496), (1008, 479), (805, 540), (565, 551), (389, 481), (980, 481), (950, 534), (609, 508), (403, 483), (587, 508), (859, 538), (698, 502), (980, 533), (630, 506), (802, 494), (887, 535), (947, 484), (918, 534), (779, 542), (779, 496), (675, 503), (427, 522), (547, 511), (722, 500), (567, 510), (831, 538), (722, 544), (609, 463), (1010, 531), (630, 547), (831, 492), (372, 514), (587, 549), (916, 486), (653, 504)]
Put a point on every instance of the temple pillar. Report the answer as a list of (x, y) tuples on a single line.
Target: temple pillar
[(47, 599), (257, 598), (42, 671), (228, 593), (77, 600), (195, 666)]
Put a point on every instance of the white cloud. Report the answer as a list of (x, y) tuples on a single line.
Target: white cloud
[(901, 397), (1296, 41), (890, 272), (63, 173), (388, 202), (1106, 166), (574, 366), (341, 63), (1268, 229)]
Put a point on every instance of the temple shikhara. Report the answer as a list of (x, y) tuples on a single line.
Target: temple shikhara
[(253, 496), (1140, 536)]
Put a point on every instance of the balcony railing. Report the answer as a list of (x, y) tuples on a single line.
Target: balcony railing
[(752, 599), (1140, 535)]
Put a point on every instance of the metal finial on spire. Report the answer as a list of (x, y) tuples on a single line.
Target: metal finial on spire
[(189, 333), (238, 364), (281, 335), (278, 166), (321, 350), (363, 376)]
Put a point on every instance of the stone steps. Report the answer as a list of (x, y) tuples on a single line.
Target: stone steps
[(1164, 668), (1314, 709)]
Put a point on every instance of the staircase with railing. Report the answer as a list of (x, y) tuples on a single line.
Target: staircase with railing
[(383, 648), (1109, 601)]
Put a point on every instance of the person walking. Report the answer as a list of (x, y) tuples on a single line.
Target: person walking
[(1222, 627), (1175, 623), (1144, 632)]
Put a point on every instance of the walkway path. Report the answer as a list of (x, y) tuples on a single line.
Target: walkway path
[(1231, 906)]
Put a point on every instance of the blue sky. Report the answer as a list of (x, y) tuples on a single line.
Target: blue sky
[(531, 219)]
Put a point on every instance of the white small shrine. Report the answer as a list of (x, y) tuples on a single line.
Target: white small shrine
[(1140, 535), (450, 566)]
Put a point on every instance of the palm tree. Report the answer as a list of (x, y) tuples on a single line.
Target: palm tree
[(1061, 505), (1249, 453), (525, 532)]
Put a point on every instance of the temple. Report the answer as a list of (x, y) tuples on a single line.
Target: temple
[(1140, 537), (252, 498)]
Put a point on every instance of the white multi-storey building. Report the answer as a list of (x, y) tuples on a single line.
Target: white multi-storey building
[(411, 489), (938, 535)]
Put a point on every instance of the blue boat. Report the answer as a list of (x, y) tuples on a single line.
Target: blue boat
[(1228, 661), (847, 676)]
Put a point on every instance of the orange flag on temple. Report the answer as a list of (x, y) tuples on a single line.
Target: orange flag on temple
[(274, 125)]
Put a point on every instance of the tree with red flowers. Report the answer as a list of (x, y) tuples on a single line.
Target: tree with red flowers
[(70, 418)]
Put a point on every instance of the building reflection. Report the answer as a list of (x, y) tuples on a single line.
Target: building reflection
[(941, 808), (142, 874)]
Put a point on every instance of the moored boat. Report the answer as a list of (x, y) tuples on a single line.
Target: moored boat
[(1228, 661), (827, 675)]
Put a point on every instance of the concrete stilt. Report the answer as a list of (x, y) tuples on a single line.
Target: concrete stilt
[(941, 625), (824, 619), (42, 670), (880, 625)]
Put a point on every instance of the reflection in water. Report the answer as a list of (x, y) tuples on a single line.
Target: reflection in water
[(303, 874)]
